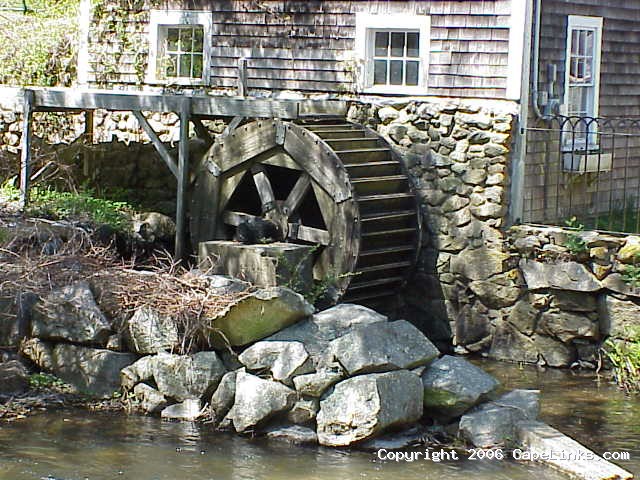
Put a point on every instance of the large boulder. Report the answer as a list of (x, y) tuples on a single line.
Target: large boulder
[(315, 384), (283, 360), (183, 377), (223, 398), (495, 423), (257, 316), (452, 386), (257, 400), (382, 347), (38, 351), (479, 264), (91, 370), (14, 378), (139, 371), (150, 399), (317, 331), (70, 314), (618, 316), (304, 411), (187, 411), (361, 407), (511, 345), (567, 326), (149, 332), (571, 276), (295, 434), (630, 252)]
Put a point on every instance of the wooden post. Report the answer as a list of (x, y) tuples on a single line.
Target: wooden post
[(183, 177), (242, 77), (25, 144), (89, 126)]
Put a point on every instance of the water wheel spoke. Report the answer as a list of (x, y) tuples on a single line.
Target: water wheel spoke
[(297, 194), (236, 218), (309, 234), (263, 185)]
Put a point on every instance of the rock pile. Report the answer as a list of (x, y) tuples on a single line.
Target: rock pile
[(339, 377)]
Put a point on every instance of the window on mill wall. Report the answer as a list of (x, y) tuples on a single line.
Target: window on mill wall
[(180, 45), (394, 52)]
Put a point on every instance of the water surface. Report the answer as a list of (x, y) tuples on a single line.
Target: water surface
[(73, 445)]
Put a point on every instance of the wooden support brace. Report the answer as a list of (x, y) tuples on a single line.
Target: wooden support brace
[(202, 131), (25, 143), (157, 143), (233, 124), (183, 178)]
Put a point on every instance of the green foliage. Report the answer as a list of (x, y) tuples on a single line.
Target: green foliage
[(82, 205), (574, 242), (45, 381), (625, 357), (631, 275), (39, 47)]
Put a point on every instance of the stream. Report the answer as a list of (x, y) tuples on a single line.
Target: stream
[(78, 445)]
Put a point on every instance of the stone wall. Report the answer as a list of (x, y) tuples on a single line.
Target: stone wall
[(536, 295), (457, 154)]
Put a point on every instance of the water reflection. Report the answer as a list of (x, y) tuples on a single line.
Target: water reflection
[(78, 446)]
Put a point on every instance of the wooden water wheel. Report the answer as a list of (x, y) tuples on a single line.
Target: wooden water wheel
[(329, 183)]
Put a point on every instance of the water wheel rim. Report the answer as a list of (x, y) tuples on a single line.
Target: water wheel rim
[(375, 226)]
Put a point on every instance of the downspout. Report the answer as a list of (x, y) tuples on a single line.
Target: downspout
[(536, 60)]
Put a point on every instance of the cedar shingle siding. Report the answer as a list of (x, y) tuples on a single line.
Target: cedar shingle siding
[(307, 45)]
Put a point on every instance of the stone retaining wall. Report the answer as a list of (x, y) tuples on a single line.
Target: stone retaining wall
[(457, 153), (521, 293)]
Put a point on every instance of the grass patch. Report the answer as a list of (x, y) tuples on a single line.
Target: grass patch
[(82, 206), (625, 357)]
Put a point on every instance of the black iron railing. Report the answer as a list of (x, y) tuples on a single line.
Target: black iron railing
[(584, 170)]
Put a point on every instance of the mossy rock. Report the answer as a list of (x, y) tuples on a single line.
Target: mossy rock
[(257, 316)]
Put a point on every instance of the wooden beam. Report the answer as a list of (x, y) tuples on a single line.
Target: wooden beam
[(183, 179), (25, 143), (157, 143), (202, 131), (203, 105)]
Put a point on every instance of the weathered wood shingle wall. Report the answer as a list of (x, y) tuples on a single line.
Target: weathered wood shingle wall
[(619, 97), (309, 45)]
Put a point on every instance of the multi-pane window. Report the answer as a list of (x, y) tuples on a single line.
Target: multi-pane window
[(393, 51), (581, 99), (582, 79), (396, 57), (179, 47), (182, 51)]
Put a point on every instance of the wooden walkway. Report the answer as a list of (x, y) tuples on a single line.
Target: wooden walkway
[(190, 108)]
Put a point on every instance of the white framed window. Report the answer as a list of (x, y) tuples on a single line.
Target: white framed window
[(179, 47), (394, 50), (581, 94)]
